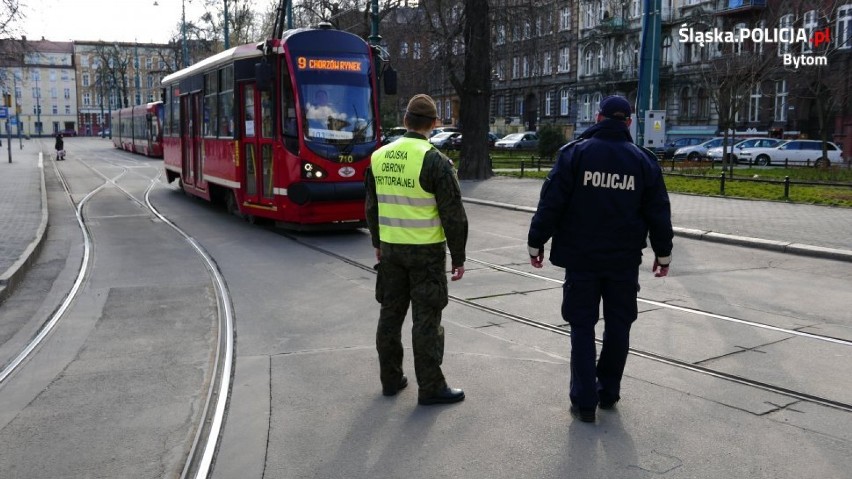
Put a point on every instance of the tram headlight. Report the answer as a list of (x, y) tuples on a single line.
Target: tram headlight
[(312, 172)]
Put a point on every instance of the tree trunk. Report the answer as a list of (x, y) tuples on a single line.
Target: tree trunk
[(474, 159)]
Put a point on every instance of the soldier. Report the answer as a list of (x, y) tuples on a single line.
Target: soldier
[(599, 203), (414, 212)]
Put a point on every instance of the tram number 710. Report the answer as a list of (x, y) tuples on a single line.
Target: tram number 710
[(345, 159)]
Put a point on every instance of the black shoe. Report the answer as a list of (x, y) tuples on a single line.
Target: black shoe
[(387, 391), (585, 415), (607, 401), (447, 395)]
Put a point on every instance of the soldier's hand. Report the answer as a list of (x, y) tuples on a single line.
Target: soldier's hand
[(663, 268), (536, 256), (378, 254), (458, 272)]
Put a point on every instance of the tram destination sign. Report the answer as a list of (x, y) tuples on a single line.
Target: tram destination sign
[(4, 112), (330, 64)]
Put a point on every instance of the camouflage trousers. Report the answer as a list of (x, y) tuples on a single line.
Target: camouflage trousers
[(416, 275)]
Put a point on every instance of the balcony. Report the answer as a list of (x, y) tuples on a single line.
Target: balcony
[(736, 7)]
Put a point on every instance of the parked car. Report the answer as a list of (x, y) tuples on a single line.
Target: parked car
[(715, 153), (392, 134), (794, 152), (456, 141), (69, 132), (440, 140), (699, 151), (667, 151), (526, 140), (443, 129)]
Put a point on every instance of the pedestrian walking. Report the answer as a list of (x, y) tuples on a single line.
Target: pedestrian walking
[(415, 212), (602, 199), (59, 146)]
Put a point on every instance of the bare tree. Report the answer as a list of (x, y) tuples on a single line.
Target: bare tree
[(461, 36), (820, 71), (11, 14)]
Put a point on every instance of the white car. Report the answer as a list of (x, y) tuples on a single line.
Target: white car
[(715, 153), (794, 152)]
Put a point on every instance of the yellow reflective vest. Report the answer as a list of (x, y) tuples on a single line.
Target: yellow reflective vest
[(408, 214)]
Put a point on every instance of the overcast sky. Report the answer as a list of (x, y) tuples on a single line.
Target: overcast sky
[(108, 20)]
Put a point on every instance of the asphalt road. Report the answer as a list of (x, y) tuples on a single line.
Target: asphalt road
[(117, 388)]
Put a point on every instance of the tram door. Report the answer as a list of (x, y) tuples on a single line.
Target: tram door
[(257, 133), (190, 114)]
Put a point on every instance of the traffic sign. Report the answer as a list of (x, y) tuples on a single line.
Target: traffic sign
[(4, 111)]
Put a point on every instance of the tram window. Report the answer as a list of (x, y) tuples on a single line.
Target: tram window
[(226, 102), (266, 114), (248, 111), (175, 121), (210, 94)]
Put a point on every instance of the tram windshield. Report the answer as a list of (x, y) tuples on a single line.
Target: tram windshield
[(336, 99)]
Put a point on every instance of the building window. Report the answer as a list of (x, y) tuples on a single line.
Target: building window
[(666, 58), (635, 8), (809, 24), (149, 63), (547, 66), (526, 67), (516, 67), (754, 104), (403, 50), (500, 36), (67, 109), (86, 79), (54, 109), (520, 105), (703, 104), (586, 113), (84, 61), (781, 100), (563, 103), (564, 19), (844, 27), (548, 101), (685, 106), (87, 99), (415, 51), (564, 59), (738, 46), (618, 61), (54, 93), (785, 22)]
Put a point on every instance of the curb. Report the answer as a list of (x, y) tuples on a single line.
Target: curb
[(758, 243), (12, 276)]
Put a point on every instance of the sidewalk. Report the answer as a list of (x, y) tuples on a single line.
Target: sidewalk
[(800, 229), (809, 230), (23, 209)]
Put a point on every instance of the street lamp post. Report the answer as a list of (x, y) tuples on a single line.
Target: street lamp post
[(101, 84), (227, 40), (38, 107)]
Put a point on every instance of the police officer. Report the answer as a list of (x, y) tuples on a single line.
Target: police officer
[(414, 212), (599, 203)]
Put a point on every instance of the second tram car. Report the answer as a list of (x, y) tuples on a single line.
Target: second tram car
[(285, 135), (138, 129)]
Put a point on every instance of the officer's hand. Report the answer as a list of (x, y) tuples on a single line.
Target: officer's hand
[(458, 272), (663, 269), (378, 254), (536, 256)]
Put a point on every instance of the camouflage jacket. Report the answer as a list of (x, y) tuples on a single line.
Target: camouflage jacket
[(439, 178)]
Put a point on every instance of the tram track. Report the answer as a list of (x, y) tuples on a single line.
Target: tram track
[(210, 425), (650, 355), (201, 456)]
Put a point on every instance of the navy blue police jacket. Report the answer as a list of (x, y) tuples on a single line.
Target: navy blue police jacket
[(601, 201)]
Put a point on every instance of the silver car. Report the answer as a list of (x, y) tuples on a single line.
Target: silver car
[(698, 152), (715, 153), (526, 140)]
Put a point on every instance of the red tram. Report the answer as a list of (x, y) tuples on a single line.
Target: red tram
[(139, 129), (283, 130)]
